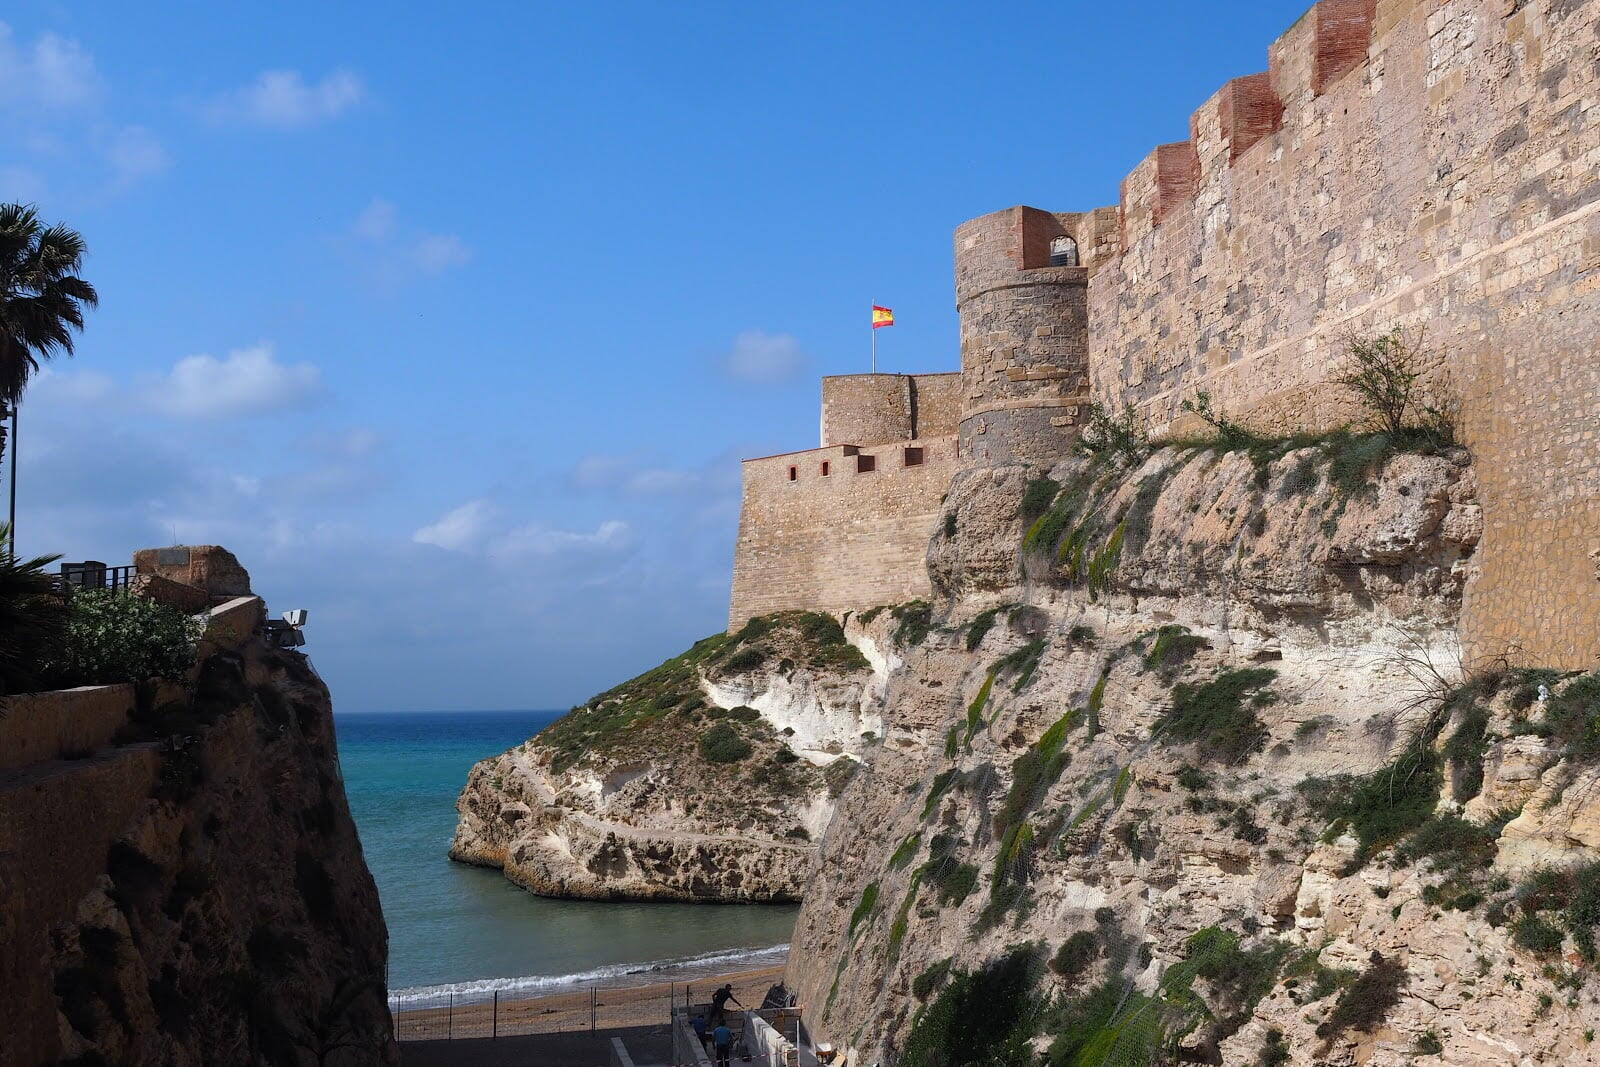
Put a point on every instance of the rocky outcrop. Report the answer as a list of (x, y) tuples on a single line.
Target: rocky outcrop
[(192, 890), (1191, 746), (707, 779)]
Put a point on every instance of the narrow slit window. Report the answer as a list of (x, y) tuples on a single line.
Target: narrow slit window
[(914, 457), (824, 468), (794, 473), (1063, 252)]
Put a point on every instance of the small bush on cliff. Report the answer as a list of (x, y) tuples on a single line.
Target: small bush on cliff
[(983, 1017), (1219, 717), (1076, 954), (1381, 807), (1385, 376), (116, 638), (1230, 434), (1114, 436), (1037, 498), (1366, 1002), (1570, 895), (929, 979), (913, 621), (722, 744)]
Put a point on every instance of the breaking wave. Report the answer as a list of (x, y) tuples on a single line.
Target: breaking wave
[(682, 969)]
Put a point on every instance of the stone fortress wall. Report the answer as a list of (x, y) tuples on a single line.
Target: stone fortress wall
[(1420, 163), (846, 526)]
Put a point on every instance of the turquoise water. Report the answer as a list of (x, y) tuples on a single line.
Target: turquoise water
[(463, 927)]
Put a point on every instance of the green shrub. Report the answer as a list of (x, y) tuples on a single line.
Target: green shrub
[(1023, 662), (1076, 954), (980, 626), (1429, 1044), (954, 880), (1105, 434), (1537, 935), (915, 620), (1466, 751), (112, 637), (869, 900), (929, 979), (1215, 717), (1381, 807), (1037, 498), (950, 524), (941, 783), (906, 852), (985, 1017), (838, 774), (1274, 1050), (1173, 647), (1450, 843), (1366, 1002), (722, 744), (1572, 716), (1193, 778), (975, 709)]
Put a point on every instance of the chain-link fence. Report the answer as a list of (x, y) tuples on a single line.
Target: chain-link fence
[(508, 1013)]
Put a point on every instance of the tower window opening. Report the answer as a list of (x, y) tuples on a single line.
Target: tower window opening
[(824, 468), (914, 457), (1063, 252), (865, 464), (794, 473)]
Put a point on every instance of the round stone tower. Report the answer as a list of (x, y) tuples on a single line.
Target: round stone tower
[(1022, 278)]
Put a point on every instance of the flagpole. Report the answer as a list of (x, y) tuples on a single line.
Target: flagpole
[(874, 349)]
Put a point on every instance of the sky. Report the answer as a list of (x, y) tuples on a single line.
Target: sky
[(454, 322)]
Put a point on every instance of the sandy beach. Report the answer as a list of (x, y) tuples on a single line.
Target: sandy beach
[(602, 1008)]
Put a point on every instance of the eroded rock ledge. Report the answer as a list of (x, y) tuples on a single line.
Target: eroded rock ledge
[(709, 778)]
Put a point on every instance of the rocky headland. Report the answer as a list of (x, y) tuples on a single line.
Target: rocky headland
[(709, 778)]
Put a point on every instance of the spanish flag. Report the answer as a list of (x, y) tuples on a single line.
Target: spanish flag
[(881, 317)]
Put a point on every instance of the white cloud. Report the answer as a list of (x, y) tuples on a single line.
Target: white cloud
[(434, 253), (400, 253), (764, 358), (459, 529), (284, 99), (249, 381), (134, 152), (376, 221), (539, 539), (53, 72), (629, 475)]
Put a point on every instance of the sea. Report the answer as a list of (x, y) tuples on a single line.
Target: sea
[(460, 929)]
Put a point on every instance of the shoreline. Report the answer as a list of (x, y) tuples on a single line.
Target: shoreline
[(589, 1007)]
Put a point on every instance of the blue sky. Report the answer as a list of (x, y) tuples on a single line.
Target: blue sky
[(454, 323)]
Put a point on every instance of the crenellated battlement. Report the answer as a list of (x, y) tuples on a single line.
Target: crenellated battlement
[(1400, 163), (1420, 163)]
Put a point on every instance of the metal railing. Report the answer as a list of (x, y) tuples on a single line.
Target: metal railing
[(92, 574), (510, 1013)]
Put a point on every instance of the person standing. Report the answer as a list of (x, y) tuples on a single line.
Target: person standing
[(722, 1037), (719, 1003)]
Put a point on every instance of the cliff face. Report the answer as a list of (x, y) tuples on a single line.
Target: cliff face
[(193, 892), (1190, 769), (708, 778)]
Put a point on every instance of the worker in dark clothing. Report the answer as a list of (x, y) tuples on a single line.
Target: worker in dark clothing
[(719, 1003), (722, 1037), (699, 1024)]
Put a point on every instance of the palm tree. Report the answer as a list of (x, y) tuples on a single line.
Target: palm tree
[(41, 303), (33, 620)]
